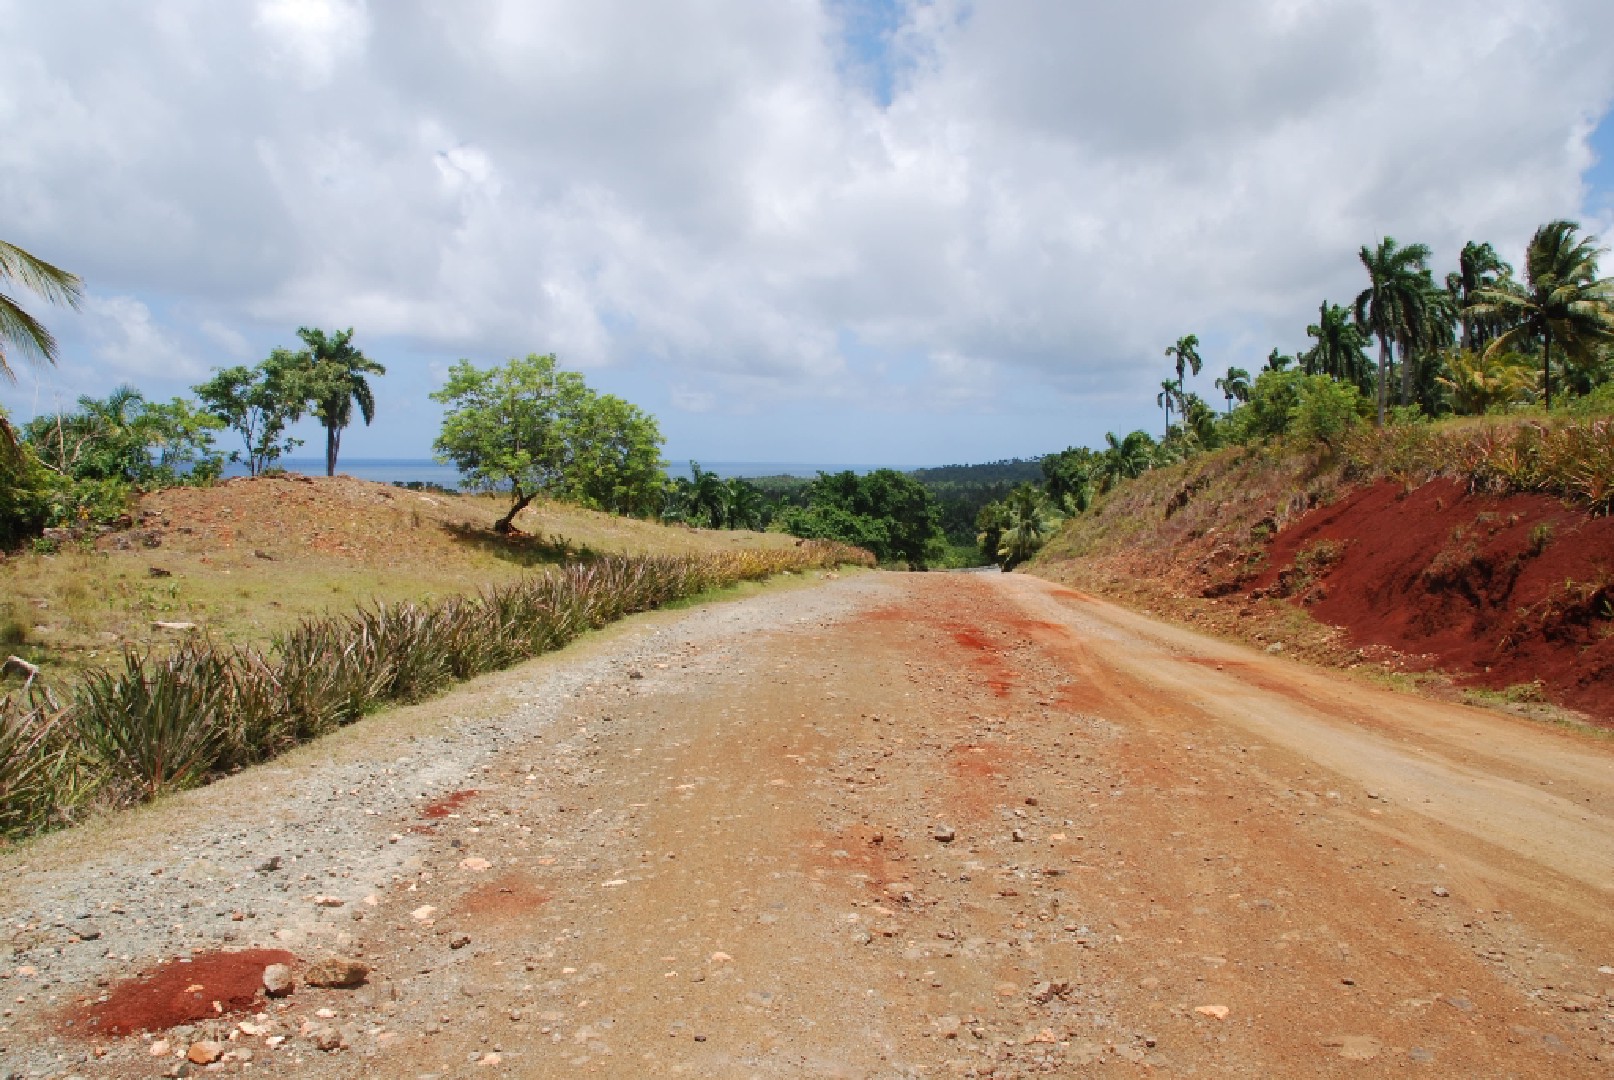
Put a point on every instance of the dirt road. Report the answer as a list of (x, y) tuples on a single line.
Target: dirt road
[(894, 825)]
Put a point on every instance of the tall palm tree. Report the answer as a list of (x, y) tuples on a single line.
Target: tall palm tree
[(19, 329), (336, 372), (1170, 394), (1561, 302), (1392, 301), (1235, 384), (1478, 267), (1186, 352), (1338, 351)]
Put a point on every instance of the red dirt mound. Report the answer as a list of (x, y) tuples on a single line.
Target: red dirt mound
[(1500, 591), (210, 985)]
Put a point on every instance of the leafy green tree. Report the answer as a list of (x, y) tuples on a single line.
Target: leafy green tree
[(1235, 385), (1561, 302), (1071, 478), (334, 381), (24, 490), (1391, 307), (990, 522), (1198, 424), (259, 404), (534, 429), (127, 439), (617, 464), (746, 507), (886, 511), (1324, 409)]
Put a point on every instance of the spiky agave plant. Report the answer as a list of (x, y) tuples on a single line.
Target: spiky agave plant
[(157, 725)]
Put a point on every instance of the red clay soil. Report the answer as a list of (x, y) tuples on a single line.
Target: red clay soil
[(210, 985), (1499, 591), (448, 804)]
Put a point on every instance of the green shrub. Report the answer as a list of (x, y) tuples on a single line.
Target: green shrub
[(1325, 410)]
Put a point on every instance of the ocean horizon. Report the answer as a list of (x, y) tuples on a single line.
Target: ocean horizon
[(427, 471)]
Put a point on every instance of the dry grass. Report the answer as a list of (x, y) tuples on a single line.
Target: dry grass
[(250, 558)]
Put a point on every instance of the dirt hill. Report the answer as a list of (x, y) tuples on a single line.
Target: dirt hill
[(1508, 598)]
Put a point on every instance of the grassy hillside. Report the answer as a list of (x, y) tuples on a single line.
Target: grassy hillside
[(249, 557), (1470, 552)]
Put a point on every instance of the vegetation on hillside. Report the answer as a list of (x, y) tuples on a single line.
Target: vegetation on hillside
[(1484, 343)]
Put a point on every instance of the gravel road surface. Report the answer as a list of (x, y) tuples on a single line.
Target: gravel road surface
[(886, 825)]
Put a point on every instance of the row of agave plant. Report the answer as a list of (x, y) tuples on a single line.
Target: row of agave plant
[(166, 722), (1572, 460)]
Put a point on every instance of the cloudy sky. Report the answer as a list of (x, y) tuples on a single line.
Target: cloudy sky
[(898, 231)]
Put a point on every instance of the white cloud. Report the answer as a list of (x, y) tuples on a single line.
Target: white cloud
[(126, 338), (1054, 192)]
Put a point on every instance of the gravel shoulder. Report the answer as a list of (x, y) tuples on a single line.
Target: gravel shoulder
[(892, 825)]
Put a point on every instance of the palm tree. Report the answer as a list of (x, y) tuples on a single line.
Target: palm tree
[(20, 329), (1235, 384), (1186, 352), (1124, 459), (1277, 361), (1478, 267), (1562, 301), (335, 371), (1167, 399), (1025, 523), (1391, 302), (1338, 352)]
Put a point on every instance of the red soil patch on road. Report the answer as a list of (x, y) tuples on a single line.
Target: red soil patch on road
[(448, 804), (182, 993), (510, 896), (1498, 590)]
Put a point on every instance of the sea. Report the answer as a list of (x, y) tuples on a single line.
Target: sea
[(427, 471)]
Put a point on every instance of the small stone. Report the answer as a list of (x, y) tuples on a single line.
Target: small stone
[(489, 1059), (328, 901), (204, 1053), (1275, 648), (1441, 890), (944, 834), (337, 972), (159, 1048), (948, 1027), (327, 1039), (474, 863), (277, 980), (1017, 836), (459, 941), (422, 913), (269, 865), (1218, 1011)]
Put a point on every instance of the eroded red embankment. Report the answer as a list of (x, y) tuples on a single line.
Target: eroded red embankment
[(1499, 590)]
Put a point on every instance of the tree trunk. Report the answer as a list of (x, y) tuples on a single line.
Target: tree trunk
[(333, 442), (505, 525), (1408, 358), (1546, 366), (1384, 375)]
